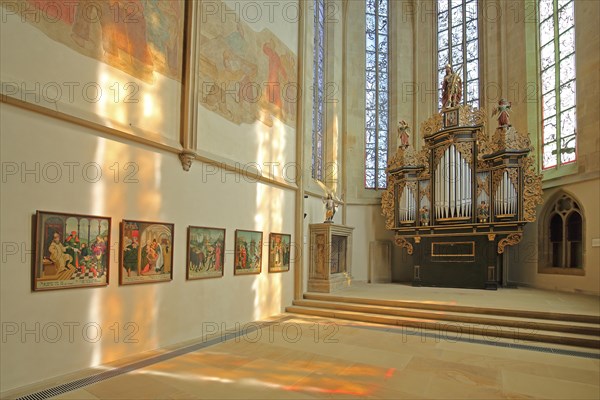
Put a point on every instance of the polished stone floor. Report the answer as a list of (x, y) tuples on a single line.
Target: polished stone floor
[(293, 357), (303, 357)]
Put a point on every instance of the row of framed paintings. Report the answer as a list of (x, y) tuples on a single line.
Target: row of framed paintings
[(73, 250)]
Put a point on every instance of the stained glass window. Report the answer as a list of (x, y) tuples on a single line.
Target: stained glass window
[(318, 91), (458, 45), (557, 62), (377, 97)]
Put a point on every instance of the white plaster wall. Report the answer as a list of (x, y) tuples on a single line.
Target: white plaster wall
[(369, 225), (162, 313)]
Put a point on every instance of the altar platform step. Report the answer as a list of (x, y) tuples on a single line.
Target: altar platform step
[(528, 325)]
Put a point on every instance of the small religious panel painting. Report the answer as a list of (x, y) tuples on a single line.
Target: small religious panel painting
[(451, 118), (71, 250), (146, 252), (206, 252), (279, 252), (248, 252)]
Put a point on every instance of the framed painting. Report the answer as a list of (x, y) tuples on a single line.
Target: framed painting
[(248, 252), (206, 252), (279, 252), (71, 251), (114, 65), (146, 252)]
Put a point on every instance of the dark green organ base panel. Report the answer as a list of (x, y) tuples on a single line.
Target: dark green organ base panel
[(455, 261)]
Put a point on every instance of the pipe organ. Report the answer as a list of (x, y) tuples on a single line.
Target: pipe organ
[(458, 202)]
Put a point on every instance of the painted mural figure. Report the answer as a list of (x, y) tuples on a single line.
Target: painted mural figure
[(160, 262), (72, 243), (123, 27), (99, 251), (239, 69), (252, 254), (87, 260), (210, 257), (138, 37), (218, 256), (276, 70), (277, 252), (150, 256), (246, 75), (243, 256), (165, 16), (59, 255), (131, 256), (286, 254), (201, 260), (243, 73), (451, 88)]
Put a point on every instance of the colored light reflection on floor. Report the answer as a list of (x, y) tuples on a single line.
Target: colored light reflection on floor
[(311, 384)]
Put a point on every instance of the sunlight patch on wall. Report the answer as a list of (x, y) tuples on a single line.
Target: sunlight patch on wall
[(268, 217), (333, 174)]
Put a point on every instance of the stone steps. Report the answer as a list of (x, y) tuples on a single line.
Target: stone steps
[(544, 327)]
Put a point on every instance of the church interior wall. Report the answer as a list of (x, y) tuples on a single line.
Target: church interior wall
[(158, 189), (509, 68), (208, 195), (162, 313), (520, 83)]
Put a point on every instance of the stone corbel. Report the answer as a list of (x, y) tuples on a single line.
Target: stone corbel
[(186, 157)]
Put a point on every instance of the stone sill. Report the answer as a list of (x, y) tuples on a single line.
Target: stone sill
[(562, 271)]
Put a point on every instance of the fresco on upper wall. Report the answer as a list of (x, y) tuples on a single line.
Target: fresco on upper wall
[(246, 76), (138, 37)]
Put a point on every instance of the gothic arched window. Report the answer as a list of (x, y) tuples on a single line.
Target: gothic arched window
[(557, 63), (458, 45), (561, 234), (318, 136), (377, 94)]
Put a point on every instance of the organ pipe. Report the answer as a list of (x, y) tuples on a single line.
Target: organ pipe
[(506, 196), (408, 205), (453, 198)]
